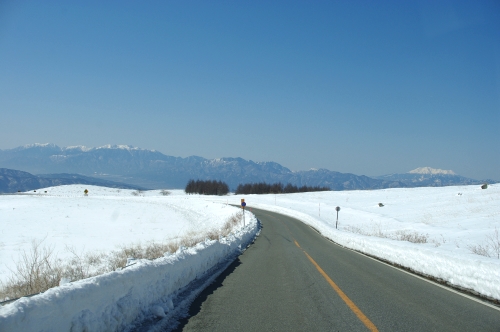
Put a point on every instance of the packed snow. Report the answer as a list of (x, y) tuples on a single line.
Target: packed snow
[(448, 225)]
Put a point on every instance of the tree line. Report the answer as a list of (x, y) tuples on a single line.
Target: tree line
[(210, 187), (275, 188)]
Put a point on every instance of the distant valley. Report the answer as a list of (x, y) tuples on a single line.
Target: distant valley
[(13, 181), (141, 168)]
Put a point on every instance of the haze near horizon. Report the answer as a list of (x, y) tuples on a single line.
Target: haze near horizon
[(358, 87)]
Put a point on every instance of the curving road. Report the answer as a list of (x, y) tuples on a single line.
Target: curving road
[(293, 279)]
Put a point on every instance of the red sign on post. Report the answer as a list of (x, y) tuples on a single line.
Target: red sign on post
[(243, 204)]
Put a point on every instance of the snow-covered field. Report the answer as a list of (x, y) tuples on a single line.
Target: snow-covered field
[(104, 220), (107, 218), (448, 223), (452, 220)]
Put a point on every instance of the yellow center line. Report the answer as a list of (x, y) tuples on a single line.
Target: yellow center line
[(342, 295), (361, 316)]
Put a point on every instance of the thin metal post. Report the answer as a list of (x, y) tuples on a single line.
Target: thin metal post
[(337, 223)]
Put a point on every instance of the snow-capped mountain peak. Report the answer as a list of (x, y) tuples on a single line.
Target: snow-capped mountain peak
[(122, 147), (432, 171), (78, 147), (39, 145)]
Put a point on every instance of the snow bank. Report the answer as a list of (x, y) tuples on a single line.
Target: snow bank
[(113, 301)]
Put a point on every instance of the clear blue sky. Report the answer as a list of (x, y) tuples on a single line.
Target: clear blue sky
[(366, 87)]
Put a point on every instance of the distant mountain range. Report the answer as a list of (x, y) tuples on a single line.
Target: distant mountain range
[(152, 169)]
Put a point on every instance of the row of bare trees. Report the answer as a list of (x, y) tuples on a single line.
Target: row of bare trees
[(275, 188), (210, 187)]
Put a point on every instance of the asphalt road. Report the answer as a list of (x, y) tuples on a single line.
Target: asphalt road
[(293, 279)]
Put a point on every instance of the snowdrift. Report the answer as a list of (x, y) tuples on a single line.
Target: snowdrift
[(114, 301)]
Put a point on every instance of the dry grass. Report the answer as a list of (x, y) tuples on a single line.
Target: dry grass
[(410, 236), (494, 243), (39, 268), (479, 249), (491, 247), (400, 235)]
